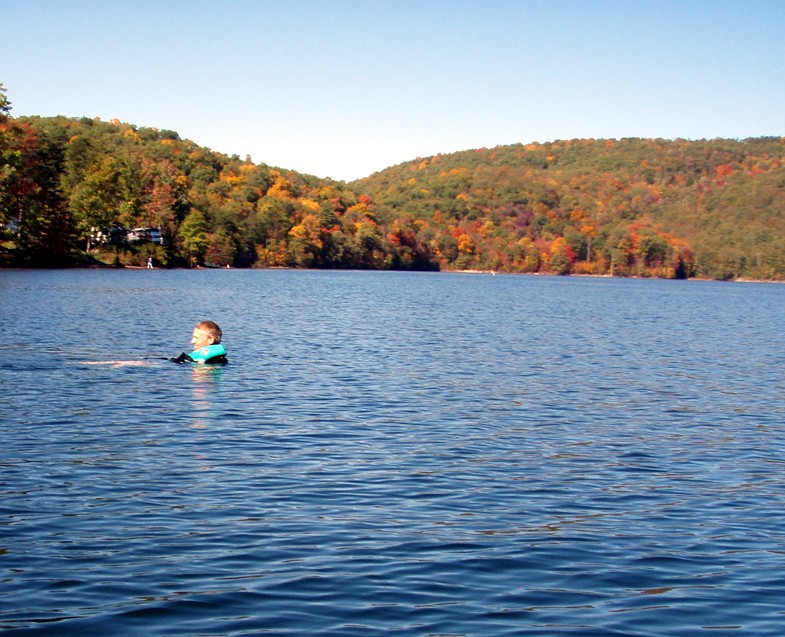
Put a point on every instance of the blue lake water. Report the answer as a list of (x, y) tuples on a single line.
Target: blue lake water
[(391, 453)]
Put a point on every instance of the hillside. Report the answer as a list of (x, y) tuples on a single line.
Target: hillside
[(76, 191), (625, 207)]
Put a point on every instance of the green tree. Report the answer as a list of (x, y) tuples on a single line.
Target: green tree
[(193, 235), (273, 219), (96, 200), (5, 104), (653, 249)]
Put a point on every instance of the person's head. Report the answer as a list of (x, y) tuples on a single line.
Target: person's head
[(206, 333)]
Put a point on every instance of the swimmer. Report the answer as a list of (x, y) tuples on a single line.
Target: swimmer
[(208, 349)]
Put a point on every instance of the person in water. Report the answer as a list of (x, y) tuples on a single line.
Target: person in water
[(208, 350)]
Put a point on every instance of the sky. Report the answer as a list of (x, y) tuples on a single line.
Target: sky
[(346, 88)]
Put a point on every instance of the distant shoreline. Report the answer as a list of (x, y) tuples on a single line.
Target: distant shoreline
[(469, 271)]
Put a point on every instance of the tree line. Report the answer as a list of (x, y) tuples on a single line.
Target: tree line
[(71, 189), (629, 207)]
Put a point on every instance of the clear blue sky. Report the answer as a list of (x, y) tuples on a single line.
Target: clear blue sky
[(344, 88)]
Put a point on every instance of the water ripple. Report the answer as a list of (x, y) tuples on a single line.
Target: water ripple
[(417, 454)]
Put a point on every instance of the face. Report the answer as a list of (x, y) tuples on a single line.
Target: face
[(201, 338)]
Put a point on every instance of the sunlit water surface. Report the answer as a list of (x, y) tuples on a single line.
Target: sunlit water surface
[(415, 454)]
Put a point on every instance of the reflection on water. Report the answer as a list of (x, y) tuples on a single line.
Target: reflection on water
[(391, 453), (205, 379)]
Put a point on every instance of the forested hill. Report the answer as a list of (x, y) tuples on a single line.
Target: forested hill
[(84, 191), (646, 207)]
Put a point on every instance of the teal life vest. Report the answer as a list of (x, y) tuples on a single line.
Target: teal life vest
[(212, 354)]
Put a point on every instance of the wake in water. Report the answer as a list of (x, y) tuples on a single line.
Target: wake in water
[(115, 363)]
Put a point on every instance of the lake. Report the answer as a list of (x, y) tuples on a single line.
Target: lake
[(391, 453)]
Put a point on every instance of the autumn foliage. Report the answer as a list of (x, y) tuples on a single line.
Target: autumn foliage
[(631, 207)]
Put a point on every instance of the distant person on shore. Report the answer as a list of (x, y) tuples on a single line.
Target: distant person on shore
[(150, 263), (208, 349)]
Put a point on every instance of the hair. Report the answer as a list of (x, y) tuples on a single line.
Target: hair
[(212, 329)]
